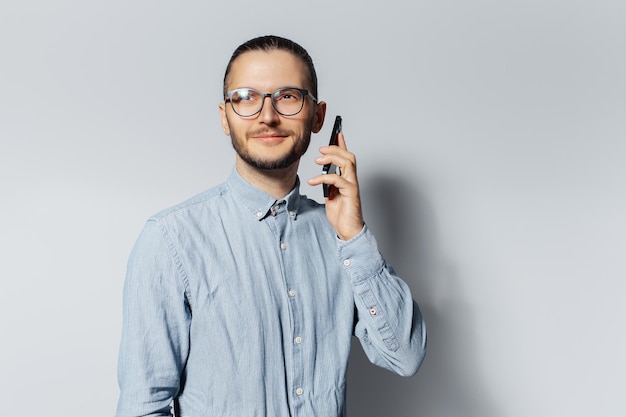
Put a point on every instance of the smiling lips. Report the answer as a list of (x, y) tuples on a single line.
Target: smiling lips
[(270, 137)]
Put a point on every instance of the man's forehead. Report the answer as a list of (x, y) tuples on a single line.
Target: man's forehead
[(267, 69)]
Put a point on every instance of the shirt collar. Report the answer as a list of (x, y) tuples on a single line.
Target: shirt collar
[(258, 202)]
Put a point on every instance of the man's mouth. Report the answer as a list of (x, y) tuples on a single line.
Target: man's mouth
[(270, 137)]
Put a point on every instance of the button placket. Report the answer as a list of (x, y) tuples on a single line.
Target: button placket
[(282, 219)]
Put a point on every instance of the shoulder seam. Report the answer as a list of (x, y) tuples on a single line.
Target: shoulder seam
[(201, 198), (182, 273)]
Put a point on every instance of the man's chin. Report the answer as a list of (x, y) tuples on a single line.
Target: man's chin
[(270, 159), (270, 164)]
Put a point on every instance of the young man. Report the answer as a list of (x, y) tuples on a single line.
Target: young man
[(242, 301)]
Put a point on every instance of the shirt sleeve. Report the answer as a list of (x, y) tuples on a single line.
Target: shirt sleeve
[(389, 323), (155, 330)]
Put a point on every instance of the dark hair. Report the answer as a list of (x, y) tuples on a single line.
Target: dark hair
[(271, 43)]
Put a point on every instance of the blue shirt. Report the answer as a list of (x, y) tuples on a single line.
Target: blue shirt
[(238, 305)]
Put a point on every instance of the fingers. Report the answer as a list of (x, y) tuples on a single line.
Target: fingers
[(339, 183), (341, 141), (343, 205), (339, 156), (345, 181)]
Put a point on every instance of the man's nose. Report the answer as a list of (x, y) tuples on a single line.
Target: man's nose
[(268, 112)]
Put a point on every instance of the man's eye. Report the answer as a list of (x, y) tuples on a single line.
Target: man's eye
[(244, 95), (288, 95)]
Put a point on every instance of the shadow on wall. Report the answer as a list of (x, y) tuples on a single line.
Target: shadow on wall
[(449, 381)]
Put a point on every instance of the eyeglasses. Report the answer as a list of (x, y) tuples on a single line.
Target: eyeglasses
[(287, 101)]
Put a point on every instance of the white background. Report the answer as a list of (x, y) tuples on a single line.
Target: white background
[(491, 140)]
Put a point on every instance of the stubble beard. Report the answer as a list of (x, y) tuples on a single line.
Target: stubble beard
[(282, 161)]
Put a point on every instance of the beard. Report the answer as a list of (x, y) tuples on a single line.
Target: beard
[(285, 160)]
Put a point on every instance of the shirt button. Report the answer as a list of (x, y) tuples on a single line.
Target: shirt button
[(259, 214), (276, 207), (347, 262), (292, 213), (283, 245), (299, 391), (298, 340), (373, 311), (292, 293)]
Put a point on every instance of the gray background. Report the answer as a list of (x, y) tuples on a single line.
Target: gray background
[(496, 187)]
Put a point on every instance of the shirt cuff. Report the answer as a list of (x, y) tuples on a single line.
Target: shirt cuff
[(360, 257)]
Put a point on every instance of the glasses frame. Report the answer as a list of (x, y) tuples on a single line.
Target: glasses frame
[(305, 93)]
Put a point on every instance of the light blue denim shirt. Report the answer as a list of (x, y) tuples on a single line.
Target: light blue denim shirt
[(238, 305)]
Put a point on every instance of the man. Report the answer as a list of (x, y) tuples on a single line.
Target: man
[(242, 301)]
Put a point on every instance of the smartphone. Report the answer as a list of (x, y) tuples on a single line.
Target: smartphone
[(330, 168)]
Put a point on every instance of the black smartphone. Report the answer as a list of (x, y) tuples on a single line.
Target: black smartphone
[(330, 168)]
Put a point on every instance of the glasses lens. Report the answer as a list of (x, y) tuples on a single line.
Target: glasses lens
[(288, 101), (246, 101)]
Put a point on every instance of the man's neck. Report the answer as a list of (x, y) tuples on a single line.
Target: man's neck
[(276, 182)]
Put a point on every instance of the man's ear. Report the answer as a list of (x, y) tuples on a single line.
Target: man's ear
[(225, 125), (318, 118)]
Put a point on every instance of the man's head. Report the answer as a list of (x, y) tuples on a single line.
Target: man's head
[(266, 132)]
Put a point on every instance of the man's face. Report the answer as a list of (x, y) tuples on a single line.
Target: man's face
[(269, 140)]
